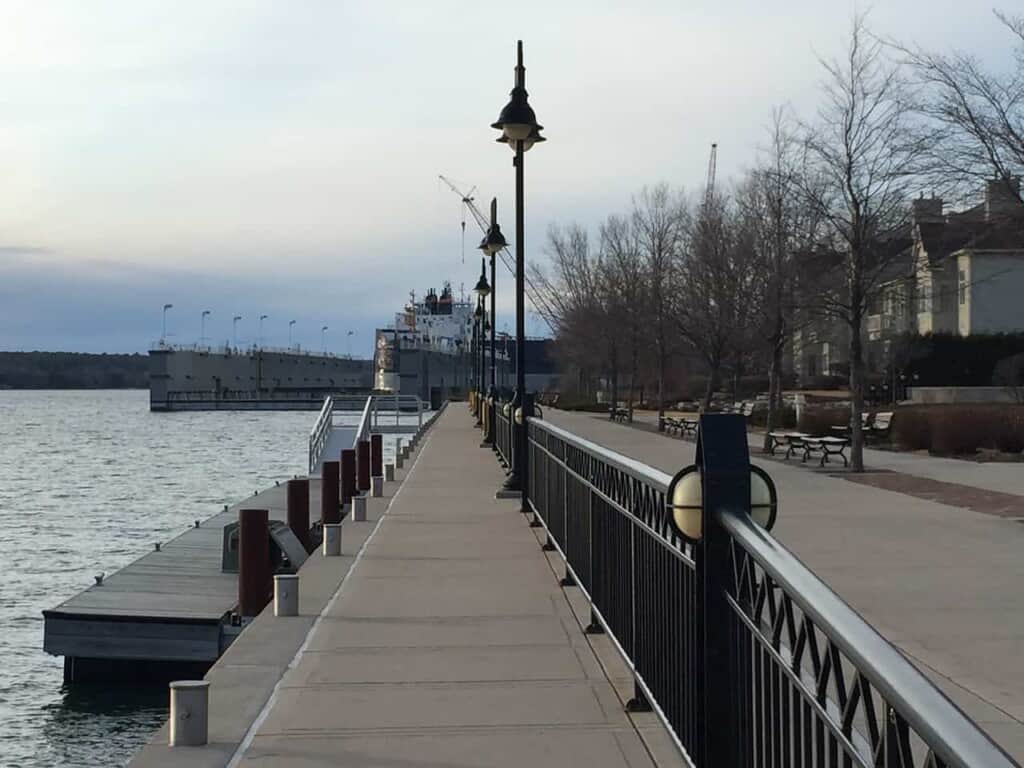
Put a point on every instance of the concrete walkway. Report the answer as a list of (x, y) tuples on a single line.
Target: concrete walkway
[(943, 583), (449, 643)]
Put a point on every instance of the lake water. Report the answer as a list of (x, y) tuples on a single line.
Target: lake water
[(88, 482)]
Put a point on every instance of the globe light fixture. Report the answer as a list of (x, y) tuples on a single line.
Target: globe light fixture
[(685, 501)]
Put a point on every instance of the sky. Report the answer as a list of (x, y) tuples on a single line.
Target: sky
[(264, 157)]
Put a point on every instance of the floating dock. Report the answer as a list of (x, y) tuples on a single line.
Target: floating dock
[(173, 611)]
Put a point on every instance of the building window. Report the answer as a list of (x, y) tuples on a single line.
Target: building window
[(963, 287)]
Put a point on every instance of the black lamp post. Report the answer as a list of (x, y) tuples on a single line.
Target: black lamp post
[(520, 131), (493, 242), (478, 333)]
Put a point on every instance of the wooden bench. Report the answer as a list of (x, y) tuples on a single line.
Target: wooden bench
[(619, 414), (881, 427), (826, 446), (793, 441)]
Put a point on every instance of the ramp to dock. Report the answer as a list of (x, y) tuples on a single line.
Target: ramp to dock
[(450, 642)]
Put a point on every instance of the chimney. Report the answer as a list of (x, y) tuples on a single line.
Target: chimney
[(927, 210), (1002, 198)]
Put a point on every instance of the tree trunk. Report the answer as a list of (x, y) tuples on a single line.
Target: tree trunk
[(773, 419), (661, 390), (712, 385), (633, 363), (856, 393), (614, 365)]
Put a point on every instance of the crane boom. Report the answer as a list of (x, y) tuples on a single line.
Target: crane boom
[(709, 186), (542, 307)]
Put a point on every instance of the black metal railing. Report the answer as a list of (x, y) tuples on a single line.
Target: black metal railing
[(503, 431), (748, 657)]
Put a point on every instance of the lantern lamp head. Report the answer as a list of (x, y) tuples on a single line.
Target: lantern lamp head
[(685, 501)]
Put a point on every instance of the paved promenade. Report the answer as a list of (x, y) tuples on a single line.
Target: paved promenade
[(943, 582), (440, 638)]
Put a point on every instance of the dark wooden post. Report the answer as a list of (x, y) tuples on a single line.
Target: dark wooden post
[(348, 475), (363, 466), (254, 582), (377, 455), (298, 510), (330, 509)]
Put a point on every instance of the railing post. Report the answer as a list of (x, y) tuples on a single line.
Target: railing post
[(724, 461)]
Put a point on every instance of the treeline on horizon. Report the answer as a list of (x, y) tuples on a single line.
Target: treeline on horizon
[(73, 370)]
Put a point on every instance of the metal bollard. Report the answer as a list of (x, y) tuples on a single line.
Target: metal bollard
[(253, 561), (359, 508), (377, 486), (389, 473), (190, 713), (286, 594), (332, 540), (298, 510), (330, 507), (363, 465)]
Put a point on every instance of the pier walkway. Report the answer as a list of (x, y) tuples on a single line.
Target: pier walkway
[(441, 637), (939, 580)]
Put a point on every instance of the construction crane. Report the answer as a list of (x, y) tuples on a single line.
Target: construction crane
[(468, 203), (709, 186)]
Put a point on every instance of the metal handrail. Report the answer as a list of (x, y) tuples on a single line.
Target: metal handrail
[(947, 730), (363, 432), (321, 429), (635, 492)]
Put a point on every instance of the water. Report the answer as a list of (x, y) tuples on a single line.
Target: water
[(88, 481)]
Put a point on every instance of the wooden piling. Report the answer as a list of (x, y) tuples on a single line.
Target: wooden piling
[(330, 507), (298, 510), (254, 582)]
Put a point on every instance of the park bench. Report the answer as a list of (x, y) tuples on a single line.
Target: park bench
[(844, 430), (619, 414), (881, 427), (826, 446), (792, 441)]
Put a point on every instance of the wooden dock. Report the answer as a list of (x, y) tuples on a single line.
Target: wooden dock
[(172, 612), (171, 608)]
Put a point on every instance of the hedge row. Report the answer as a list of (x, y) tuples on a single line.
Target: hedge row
[(960, 429)]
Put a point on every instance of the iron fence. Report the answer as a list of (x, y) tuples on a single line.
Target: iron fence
[(747, 657), (503, 431)]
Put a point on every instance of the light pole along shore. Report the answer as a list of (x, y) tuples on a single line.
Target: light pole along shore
[(520, 130)]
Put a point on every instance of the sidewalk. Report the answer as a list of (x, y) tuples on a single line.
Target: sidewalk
[(944, 583), (450, 643)]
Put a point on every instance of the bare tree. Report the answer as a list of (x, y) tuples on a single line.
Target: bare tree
[(625, 286), (708, 300), (585, 301), (865, 149), (979, 114), (781, 227), (660, 219)]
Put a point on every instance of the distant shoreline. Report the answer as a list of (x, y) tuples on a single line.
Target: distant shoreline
[(73, 370)]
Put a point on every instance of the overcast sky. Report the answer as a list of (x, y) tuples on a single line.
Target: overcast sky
[(281, 158)]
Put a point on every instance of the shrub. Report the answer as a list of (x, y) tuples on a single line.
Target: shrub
[(960, 429), (785, 418), (911, 430), (819, 419)]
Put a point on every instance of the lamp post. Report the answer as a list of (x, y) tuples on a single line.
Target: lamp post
[(202, 326), (234, 329), (520, 130), (323, 339), (163, 332), (493, 242), (262, 318), (291, 324), (348, 343)]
